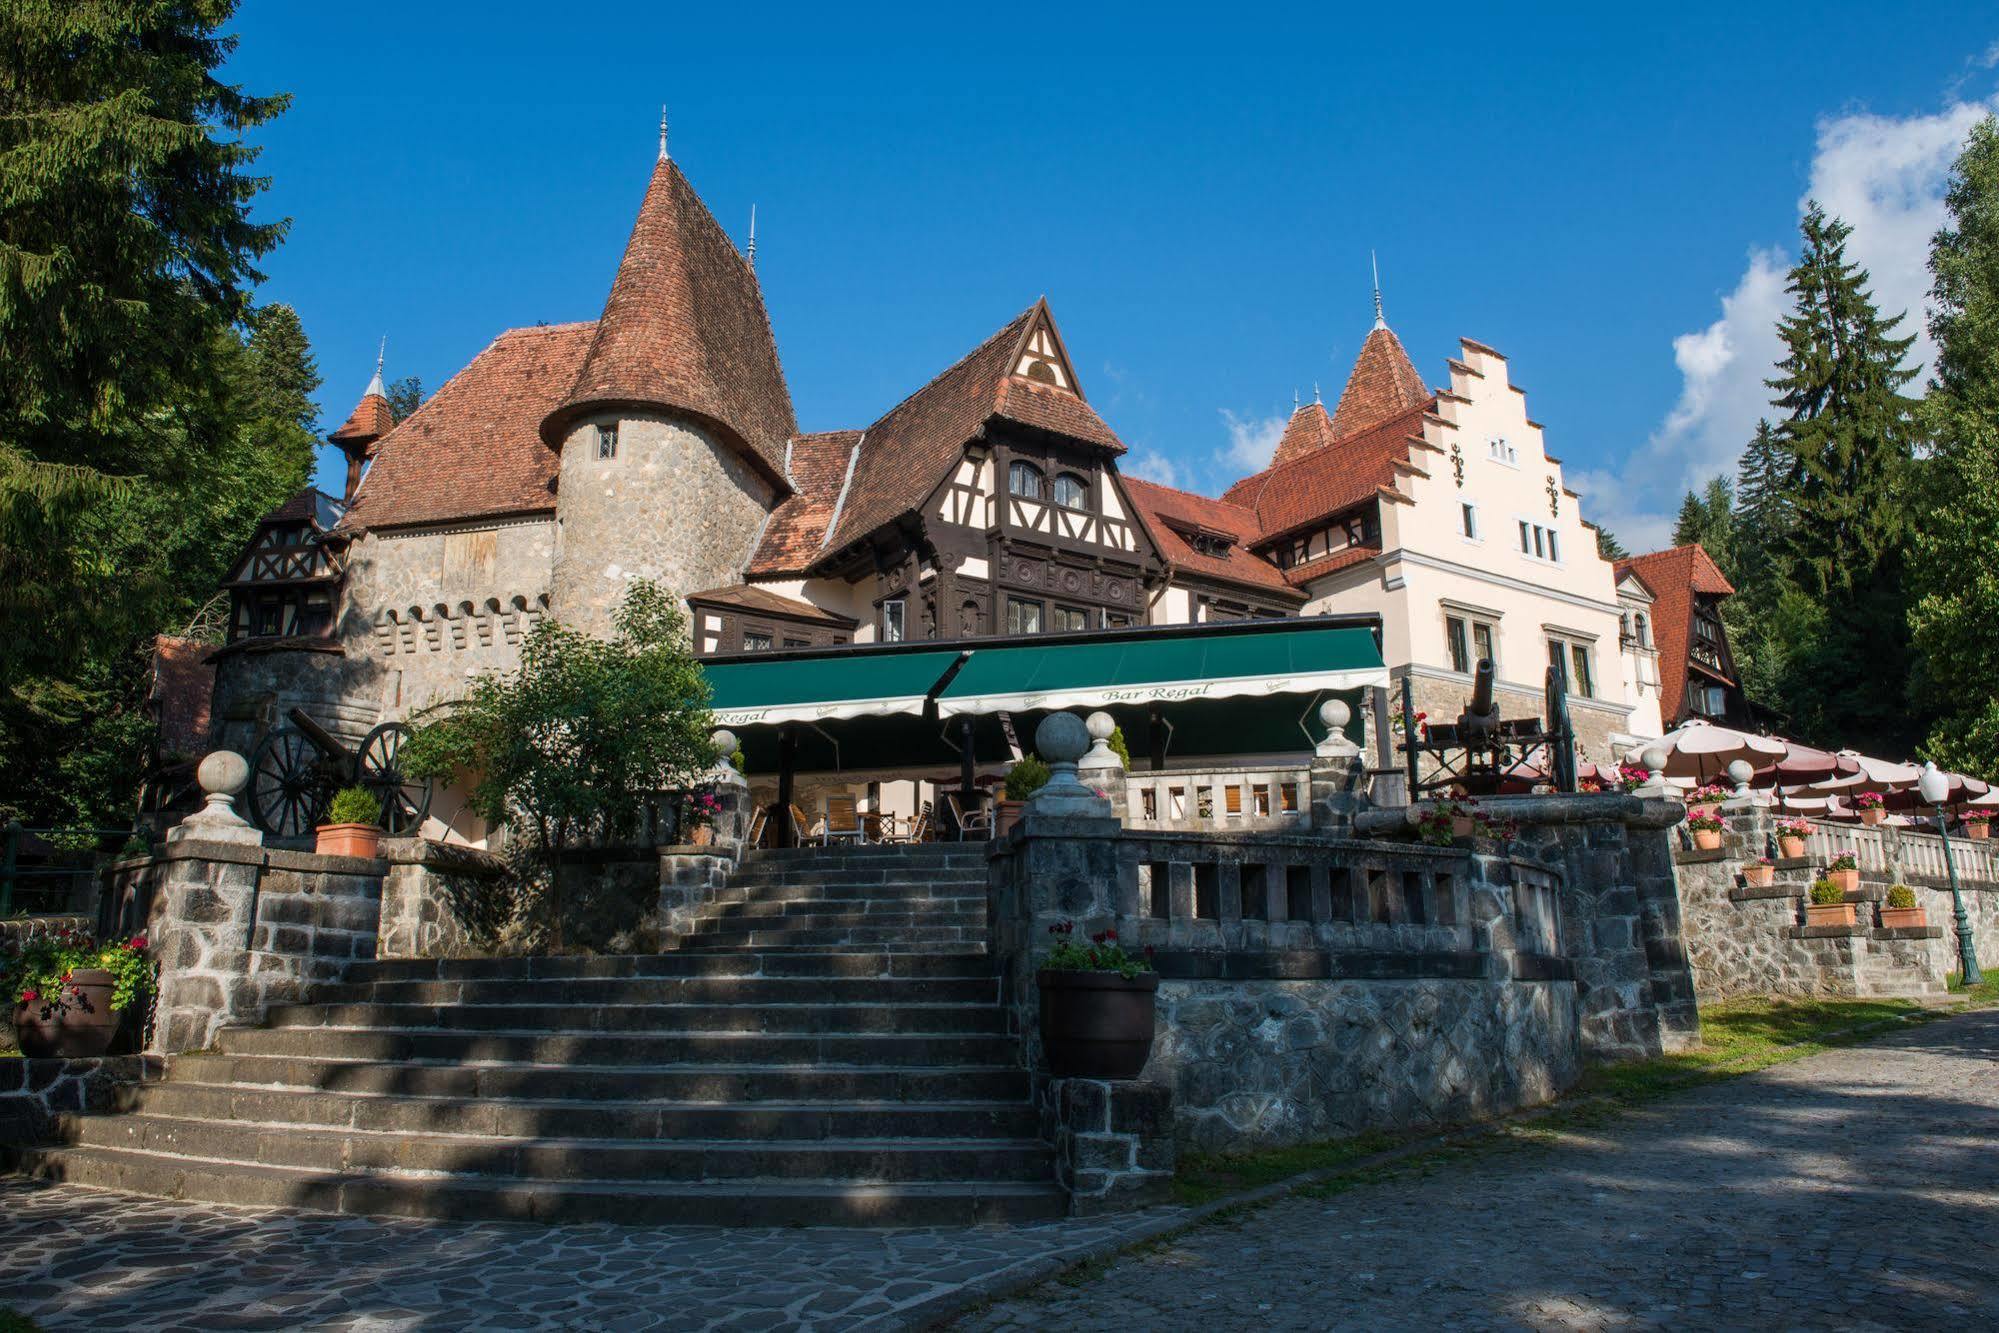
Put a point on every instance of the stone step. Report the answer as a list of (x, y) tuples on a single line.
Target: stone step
[(712, 1083), (841, 925), (869, 855), (908, 939), (875, 1050), (380, 1194), (851, 911), (887, 883), (775, 963), (592, 991), (565, 1158), (649, 1018), (582, 1118)]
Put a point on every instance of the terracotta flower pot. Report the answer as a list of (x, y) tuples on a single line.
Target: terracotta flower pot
[(83, 1028), (1759, 877), (1977, 829), (1707, 839), (1463, 826), (1848, 880), (1898, 918), (1874, 816), (1829, 914), (1790, 848), (362, 840), (701, 835), (1097, 1024), (1005, 815)]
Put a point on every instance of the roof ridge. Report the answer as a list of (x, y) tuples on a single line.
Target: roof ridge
[(1182, 490), (978, 347)]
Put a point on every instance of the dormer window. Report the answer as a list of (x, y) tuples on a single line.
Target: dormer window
[(607, 441), (1071, 491), (1024, 480)]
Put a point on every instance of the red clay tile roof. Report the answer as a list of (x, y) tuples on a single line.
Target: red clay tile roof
[(749, 597), (906, 453), (685, 328), (797, 527), (1674, 577), (473, 451), (1328, 480), (306, 502), (1382, 384), (370, 420), (1300, 575), (182, 693), (1167, 513), (1309, 428)]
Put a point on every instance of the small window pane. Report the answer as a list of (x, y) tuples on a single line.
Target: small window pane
[(1539, 548), (1068, 618), (1023, 617), (607, 441), (1524, 547), (1554, 551), (1584, 685), (1454, 631), (1072, 490), (1024, 480), (892, 621), (1470, 520), (1481, 637), (756, 643)]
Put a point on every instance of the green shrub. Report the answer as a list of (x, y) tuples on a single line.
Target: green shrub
[(1825, 893), (1844, 861), (1117, 747), (1901, 895), (354, 805), (1025, 778)]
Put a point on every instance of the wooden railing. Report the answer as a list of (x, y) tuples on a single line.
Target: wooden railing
[(1230, 799)]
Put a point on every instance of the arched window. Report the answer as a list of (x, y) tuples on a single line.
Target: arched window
[(1024, 480), (1072, 491)]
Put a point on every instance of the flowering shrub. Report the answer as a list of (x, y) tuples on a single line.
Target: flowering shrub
[(1844, 861), (1901, 895), (1794, 828), (1765, 862), (701, 809), (1102, 954), (1970, 817), (38, 973), (1705, 823), (354, 805), (1709, 794), (1436, 825), (1869, 800)]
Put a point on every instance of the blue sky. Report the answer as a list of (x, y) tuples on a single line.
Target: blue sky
[(1609, 201)]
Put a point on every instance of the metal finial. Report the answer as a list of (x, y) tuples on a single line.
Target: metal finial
[(1294, 400), (1315, 393), (1375, 264), (662, 132), (375, 384), (753, 236)]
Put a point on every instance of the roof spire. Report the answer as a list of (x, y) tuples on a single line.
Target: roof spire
[(1315, 393), (375, 384), (1375, 264), (662, 132), (1294, 399), (753, 237)]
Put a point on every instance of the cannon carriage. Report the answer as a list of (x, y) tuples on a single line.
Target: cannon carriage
[(299, 764), (1482, 754)]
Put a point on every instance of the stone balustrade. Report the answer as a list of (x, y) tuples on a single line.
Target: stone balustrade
[(1220, 799), (1902, 852)]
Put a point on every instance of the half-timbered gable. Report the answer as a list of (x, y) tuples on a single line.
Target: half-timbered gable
[(284, 584)]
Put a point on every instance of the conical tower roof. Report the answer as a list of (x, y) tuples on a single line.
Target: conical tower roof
[(370, 420), (1309, 428), (685, 330), (1383, 384)]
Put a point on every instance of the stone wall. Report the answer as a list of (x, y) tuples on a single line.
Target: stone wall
[(34, 1092), (238, 928), (437, 900)]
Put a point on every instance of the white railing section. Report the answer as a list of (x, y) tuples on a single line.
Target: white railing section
[(1903, 850), (1233, 799)]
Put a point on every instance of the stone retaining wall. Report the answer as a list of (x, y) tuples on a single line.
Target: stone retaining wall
[(34, 1092)]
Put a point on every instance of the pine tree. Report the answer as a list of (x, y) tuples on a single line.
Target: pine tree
[(405, 397), (1608, 547), (1843, 452), (1707, 518), (1954, 620)]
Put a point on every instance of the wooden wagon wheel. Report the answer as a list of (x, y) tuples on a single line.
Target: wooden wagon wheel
[(289, 792), (378, 767)]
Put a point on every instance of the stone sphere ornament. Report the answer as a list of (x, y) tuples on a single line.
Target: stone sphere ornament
[(1654, 760), (724, 742), (1099, 724), (1335, 714), (1061, 740), (1739, 773), (223, 772)]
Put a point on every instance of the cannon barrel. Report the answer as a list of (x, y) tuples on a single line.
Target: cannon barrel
[(322, 740), (1480, 720)]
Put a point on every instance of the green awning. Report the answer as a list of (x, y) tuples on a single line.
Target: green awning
[(1163, 669), (824, 688)]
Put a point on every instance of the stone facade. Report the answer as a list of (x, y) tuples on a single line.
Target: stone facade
[(433, 899), (673, 504)]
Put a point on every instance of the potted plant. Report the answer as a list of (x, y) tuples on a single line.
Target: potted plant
[(1977, 823), (1828, 906), (1760, 873), (1706, 798), (1028, 776), (1791, 835), (353, 825), (1901, 910), (1096, 1006), (70, 992), (1706, 828), (1872, 807), (697, 818), (1845, 872)]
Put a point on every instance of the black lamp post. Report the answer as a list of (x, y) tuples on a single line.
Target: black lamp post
[(1934, 787)]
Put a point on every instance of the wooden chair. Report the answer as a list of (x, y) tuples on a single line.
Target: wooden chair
[(979, 821), (843, 820), (922, 824), (758, 825), (801, 827)]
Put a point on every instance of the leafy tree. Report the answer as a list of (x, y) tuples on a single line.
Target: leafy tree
[(405, 397), (568, 746), (1954, 620)]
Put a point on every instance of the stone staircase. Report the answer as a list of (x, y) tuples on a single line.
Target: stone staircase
[(826, 1047)]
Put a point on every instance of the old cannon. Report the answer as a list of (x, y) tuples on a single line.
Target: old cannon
[(1482, 753), (299, 765)]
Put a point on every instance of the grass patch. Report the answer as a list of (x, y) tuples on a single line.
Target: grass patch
[(1202, 1177), (17, 1323), (1979, 996)]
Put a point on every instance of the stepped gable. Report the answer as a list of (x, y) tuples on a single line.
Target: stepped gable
[(473, 450), (1175, 518), (1309, 428), (1674, 577), (797, 527), (685, 329), (1021, 374), (1328, 480), (1382, 384)]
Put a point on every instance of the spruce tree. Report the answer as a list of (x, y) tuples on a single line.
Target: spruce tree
[(1954, 620), (1707, 519), (1846, 443)]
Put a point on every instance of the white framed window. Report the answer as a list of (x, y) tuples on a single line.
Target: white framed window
[(1469, 636), (607, 441), (1500, 451), (892, 624), (1576, 661), (1538, 542), (1024, 480)]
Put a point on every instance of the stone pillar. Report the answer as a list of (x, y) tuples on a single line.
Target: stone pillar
[(1339, 774), (1100, 768), (1113, 1143)]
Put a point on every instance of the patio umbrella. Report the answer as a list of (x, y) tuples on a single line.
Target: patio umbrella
[(1962, 789), (1702, 751), (1860, 772), (1800, 765)]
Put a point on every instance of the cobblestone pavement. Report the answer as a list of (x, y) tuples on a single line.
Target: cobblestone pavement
[(73, 1258), (1855, 1190)]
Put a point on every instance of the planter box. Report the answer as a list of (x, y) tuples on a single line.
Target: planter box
[(1898, 918), (1707, 839), (1830, 914), (1978, 831), (1873, 816), (1790, 848), (81, 1029), (362, 840), (1097, 1024), (1847, 880), (1759, 877)]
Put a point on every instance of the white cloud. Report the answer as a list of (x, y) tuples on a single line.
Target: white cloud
[(1884, 176), (1252, 440), (1151, 465)]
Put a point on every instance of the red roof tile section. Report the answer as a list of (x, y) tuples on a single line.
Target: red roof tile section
[(911, 449), (473, 451), (1300, 575), (1675, 577), (797, 527), (748, 597), (1169, 514), (370, 420), (1309, 428), (685, 328), (1327, 480), (1383, 384)]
